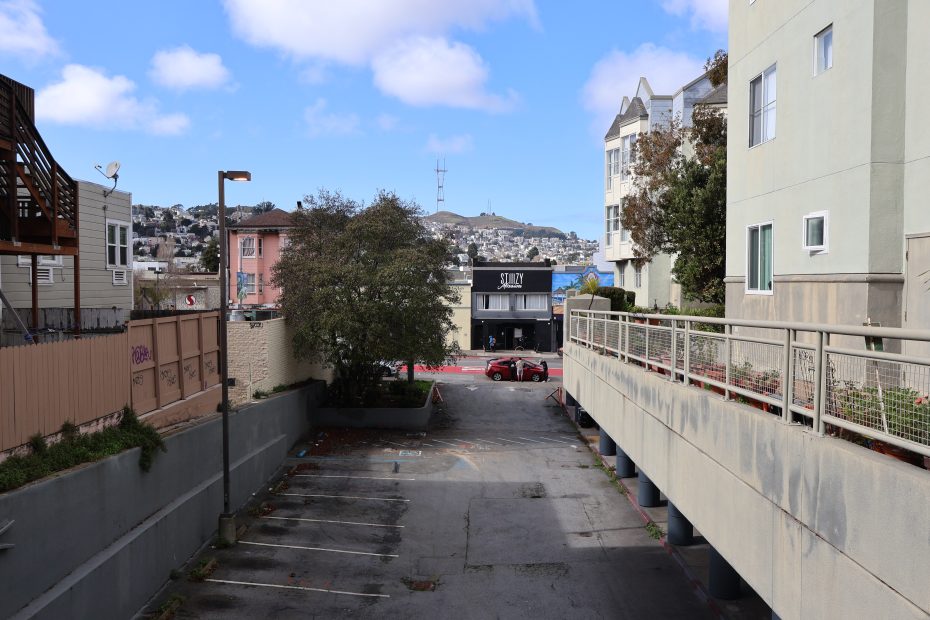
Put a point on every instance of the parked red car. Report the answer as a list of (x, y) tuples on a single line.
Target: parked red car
[(500, 369)]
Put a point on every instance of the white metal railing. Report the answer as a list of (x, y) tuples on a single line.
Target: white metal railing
[(872, 393)]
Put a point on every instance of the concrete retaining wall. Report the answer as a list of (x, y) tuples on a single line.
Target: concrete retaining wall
[(98, 541), (819, 527), (397, 418)]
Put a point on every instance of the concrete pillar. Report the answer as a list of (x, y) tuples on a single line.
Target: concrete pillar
[(626, 468), (680, 530), (606, 446), (724, 581), (648, 492)]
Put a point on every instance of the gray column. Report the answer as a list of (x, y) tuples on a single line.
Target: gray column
[(626, 468), (648, 492), (606, 447), (680, 530), (724, 581)]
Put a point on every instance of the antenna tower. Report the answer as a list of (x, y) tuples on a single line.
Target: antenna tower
[(440, 180)]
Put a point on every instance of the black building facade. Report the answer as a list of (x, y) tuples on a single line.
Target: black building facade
[(512, 302)]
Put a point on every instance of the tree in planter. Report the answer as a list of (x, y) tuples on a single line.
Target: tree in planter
[(364, 284), (678, 203)]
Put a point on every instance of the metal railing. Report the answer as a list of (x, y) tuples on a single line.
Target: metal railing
[(870, 393)]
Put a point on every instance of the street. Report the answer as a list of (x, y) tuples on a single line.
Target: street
[(498, 512)]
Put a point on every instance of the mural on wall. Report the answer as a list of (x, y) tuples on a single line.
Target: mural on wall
[(562, 282)]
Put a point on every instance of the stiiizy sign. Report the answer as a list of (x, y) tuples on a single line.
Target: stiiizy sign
[(510, 281)]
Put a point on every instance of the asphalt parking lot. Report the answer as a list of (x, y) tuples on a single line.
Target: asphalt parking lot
[(497, 512)]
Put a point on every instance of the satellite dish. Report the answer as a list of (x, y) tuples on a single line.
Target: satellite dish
[(112, 173)]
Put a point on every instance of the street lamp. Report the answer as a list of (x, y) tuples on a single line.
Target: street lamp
[(227, 525)]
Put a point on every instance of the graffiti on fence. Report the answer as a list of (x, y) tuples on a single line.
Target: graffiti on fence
[(140, 354), (211, 367), (168, 376), (190, 370), (138, 379)]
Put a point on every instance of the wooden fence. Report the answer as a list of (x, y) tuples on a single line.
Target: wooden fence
[(172, 358), (45, 385), (153, 364)]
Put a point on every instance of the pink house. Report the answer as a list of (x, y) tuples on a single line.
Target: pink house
[(254, 247)]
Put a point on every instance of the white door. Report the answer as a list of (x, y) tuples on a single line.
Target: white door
[(917, 292)]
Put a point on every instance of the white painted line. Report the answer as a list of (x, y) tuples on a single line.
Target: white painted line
[(283, 587), (260, 544), (559, 440), (446, 442), (329, 521), (351, 477), (491, 442), (471, 443), (520, 443), (533, 440), (380, 499), (428, 445)]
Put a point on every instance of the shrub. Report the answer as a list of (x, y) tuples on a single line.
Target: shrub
[(620, 300)]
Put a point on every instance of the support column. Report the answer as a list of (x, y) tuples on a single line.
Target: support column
[(680, 530), (648, 492), (626, 468), (724, 581), (606, 446)]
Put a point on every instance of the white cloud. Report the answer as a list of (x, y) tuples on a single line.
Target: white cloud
[(183, 68), (425, 71), (352, 31), (87, 96), (387, 122), (452, 144), (617, 74), (24, 33), (323, 123), (707, 14)]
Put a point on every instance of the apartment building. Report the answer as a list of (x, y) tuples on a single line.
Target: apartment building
[(644, 112), (828, 168), (255, 245)]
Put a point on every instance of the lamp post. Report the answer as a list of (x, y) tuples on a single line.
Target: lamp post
[(227, 523)]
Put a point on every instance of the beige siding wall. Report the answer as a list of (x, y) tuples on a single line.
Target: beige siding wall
[(461, 316), (97, 288), (261, 358)]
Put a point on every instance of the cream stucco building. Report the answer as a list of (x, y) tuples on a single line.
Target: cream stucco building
[(645, 112), (828, 167)]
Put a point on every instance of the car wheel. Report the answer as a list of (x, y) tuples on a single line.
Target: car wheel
[(536, 378), (497, 376)]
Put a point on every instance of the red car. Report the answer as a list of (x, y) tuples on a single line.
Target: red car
[(500, 369)]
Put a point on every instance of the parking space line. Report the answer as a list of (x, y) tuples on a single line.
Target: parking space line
[(329, 521), (519, 443), (559, 440), (352, 477), (283, 587), (378, 499), (446, 442), (527, 439), (470, 443), (260, 544), (491, 442)]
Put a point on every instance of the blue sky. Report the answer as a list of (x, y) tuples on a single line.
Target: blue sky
[(354, 95)]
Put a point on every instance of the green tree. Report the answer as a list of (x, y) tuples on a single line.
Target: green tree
[(264, 207), (532, 253), (472, 250), (678, 202), (365, 284), (210, 258)]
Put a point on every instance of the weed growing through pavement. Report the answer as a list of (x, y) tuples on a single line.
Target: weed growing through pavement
[(654, 530), (167, 609), (203, 570)]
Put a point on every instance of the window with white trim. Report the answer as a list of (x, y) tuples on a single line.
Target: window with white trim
[(621, 272), (247, 247), (628, 151), (612, 222), (117, 244), (815, 234), (25, 260), (762, 91), (759, 259), (250, 284), (613, 166), (532, 301), (637, 276), (823, 50), (493, 301)]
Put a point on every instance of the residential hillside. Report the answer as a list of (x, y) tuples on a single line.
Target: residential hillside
[(491, 220)]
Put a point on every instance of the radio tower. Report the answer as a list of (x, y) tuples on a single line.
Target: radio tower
[(440, 179)]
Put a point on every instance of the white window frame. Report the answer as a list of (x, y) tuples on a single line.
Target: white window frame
[(825, 246), (621, 272), (44, 260), (753, 291), (522, 299), (818, 50), (250, 284), (120, 277), (106, 239), (612, 222), (484, 302), (637, 276), (247, 241), (627, 153), (771, 107)]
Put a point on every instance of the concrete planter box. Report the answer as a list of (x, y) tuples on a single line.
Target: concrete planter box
[(392, 418)]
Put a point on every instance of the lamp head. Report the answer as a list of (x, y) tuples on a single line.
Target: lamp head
[(237, 175)]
